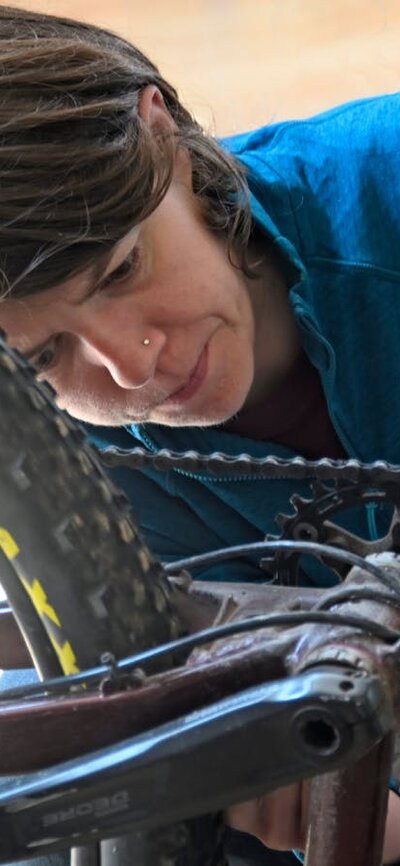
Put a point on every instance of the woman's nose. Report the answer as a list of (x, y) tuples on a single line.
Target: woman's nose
[(129, 357)]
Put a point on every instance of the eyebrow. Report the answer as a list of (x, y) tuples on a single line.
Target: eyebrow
[(97, 271), (97, 274)]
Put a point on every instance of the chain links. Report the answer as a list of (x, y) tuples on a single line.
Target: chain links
[(218, 464)]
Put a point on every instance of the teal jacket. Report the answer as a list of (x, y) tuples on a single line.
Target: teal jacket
[(327, 189)]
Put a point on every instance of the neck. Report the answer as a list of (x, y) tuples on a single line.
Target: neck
[(277, 342)]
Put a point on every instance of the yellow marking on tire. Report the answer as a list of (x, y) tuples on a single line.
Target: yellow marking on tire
[(8, 544), (40, 602), (64, 651), (66, 658)]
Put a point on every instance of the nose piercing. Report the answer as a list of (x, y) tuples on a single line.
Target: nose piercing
[(146, 341)]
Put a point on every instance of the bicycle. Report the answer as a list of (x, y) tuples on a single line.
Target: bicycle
[(149, 678)]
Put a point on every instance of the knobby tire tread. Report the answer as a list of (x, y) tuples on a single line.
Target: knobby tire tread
[(74, 530)]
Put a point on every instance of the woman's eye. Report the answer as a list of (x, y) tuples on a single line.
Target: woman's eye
[(126, 269), (45, 359)]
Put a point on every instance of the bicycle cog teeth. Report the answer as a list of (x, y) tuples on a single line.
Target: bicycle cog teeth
[(282, 520), (297, 501)]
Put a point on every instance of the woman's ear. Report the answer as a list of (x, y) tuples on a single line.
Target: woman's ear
[(153, 111)]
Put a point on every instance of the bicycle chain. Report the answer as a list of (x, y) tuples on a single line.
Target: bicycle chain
[(297, 468), (354, 483)]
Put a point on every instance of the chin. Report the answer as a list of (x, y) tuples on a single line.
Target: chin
[(98, 419), (208, 417), (195, 421)]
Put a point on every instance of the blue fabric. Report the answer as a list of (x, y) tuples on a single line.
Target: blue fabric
[(326, 189)]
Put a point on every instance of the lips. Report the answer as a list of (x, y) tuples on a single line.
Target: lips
[(194, 382)]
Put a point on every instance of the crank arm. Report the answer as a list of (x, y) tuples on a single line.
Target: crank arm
[(238, 748)]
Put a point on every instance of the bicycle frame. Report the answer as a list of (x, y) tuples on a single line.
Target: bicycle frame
[(242, 716)]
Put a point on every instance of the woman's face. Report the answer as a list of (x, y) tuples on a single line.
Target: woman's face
[(168, 336), (173, 333)]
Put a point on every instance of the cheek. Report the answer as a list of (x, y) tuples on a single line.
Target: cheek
[(72, 391), (201, 276), (68, 401), (83, 406)]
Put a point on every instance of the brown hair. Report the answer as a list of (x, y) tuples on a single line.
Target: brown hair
[(78, 167)]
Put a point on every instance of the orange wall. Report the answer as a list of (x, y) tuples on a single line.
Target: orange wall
[(241, 63)]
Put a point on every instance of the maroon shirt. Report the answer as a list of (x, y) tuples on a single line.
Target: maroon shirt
[(295, 415)]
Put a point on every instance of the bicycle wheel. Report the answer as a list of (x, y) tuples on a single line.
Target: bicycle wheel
[(69, 535), (78, 576)]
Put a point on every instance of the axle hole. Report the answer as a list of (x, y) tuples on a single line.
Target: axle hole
[(320, 736)]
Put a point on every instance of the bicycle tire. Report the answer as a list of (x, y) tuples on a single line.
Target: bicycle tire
[(74, 548), (69, 534)]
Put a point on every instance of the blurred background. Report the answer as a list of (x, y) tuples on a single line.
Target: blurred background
[(242, 63)]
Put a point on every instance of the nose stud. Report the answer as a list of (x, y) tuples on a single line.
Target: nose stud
[(146, 341)]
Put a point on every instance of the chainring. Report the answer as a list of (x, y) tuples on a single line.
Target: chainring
[(311, 521), (337, 485)]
